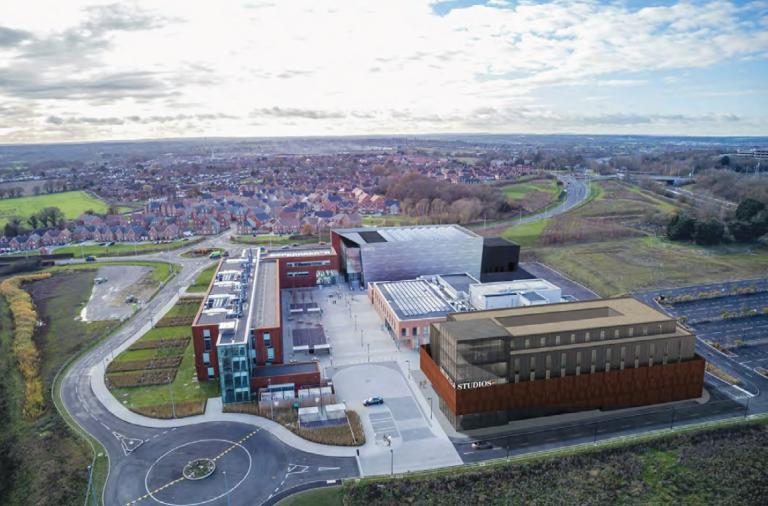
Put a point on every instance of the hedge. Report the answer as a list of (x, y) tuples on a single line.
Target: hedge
[(160, 343), (27, 355), (150, 363), (141, 378)]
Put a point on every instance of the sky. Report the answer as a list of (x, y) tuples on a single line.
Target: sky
[(80, 70)]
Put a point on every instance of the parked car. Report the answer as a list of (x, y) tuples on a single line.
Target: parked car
[(131, 299), (90, 258), (481, 445), (373, 401)]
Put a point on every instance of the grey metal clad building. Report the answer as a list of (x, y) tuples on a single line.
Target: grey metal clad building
[(396, 253)]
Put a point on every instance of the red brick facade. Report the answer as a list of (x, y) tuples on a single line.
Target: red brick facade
[(613, 389), (297, 276)]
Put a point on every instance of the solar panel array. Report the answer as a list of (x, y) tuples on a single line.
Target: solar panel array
[(415, 298)]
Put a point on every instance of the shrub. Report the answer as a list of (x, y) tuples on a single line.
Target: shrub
[(141, 378), (160, 343), (27, 356), (188, 408), (151, 363)]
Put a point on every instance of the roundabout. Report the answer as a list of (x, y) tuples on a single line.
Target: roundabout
[(198, 472)]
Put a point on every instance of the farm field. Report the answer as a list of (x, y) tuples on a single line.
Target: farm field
[(715, 466), (159, 365), (203, 280), (43, 462), (72, 204), (620, 266)]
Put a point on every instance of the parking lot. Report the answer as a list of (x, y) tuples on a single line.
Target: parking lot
[(108, 299), (744, 335)]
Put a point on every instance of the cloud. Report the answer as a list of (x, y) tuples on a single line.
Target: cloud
[(289, 112), (10, 37), (143, 68)]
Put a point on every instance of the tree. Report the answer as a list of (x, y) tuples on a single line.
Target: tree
[(680, 227), (748, 209), (708, 232), (743, 231), (725, 160), (33, 221)]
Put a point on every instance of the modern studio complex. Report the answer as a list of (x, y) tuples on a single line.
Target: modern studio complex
[(491, 367), (496, 344)]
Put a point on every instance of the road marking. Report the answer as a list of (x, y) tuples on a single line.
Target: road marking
[(292, 469), (328, 468)]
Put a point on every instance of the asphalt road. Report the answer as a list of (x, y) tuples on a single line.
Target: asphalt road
[(134, 450), (577, 192)]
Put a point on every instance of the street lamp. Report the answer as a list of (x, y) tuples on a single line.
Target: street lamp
[(392, 462), (226, 488), (361, 338), (409, 368), (369, 352), (430, 407)]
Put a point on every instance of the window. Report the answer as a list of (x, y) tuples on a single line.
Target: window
[(645, 330), (608, 360), (527, 343), (270, 353), (415, 331), (207, 343), (206, 358), (563, 359), (616, 333), (594, 360), (211, 374), (543, 342), (548, 365), (557, 340), (207, 333), (631, 331), (602, 334), (296, 274), (573, 338), (578, 363), (637, 356), (267, 338), (586, 337), (533, 368), (651, 354), (402, 332), (517, 370), (309, 263)]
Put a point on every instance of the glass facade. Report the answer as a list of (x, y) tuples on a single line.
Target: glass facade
[(234, 373)]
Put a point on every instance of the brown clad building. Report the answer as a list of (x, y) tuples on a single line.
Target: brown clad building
[(491, 367)]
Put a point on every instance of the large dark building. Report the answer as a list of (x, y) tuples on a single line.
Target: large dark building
[(499, 261), (491, 367)]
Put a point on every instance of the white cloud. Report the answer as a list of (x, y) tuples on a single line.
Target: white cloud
[(306, 67)]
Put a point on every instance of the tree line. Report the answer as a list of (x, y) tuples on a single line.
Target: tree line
[(443, 201), (747, 224), (48, 217)]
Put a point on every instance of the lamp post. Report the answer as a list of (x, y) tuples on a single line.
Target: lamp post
[(430, 407), (392, 462), (408, 362), (226, 488), (361, 338), (170, 390), (369, 352)]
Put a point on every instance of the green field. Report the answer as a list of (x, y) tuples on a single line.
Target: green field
[(72, 204), (42, 461), (724, 465), (331, 496), (203, 280), (390, 220), (521, 190), (526, 234), (122, 249), (616, 267), (271, 240)]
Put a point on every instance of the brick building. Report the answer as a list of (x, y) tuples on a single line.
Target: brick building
[(491, 367)]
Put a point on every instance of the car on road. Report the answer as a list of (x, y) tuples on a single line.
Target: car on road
[(90, 258), (373, 401), (131, 299), (100, 280), (481, 445)]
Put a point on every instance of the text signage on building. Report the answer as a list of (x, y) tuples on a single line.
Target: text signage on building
[(471, 385)]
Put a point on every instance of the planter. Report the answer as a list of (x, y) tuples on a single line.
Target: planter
[(199, 469)]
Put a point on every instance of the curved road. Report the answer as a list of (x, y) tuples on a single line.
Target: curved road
[(145, 463), (576, 192)]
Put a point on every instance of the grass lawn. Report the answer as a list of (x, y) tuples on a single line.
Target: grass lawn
[(329, 496), (72, 204), (723, 465), (520, 190), (526, 234), (187, 391), (389, 220), (271, 239), (121, 249), (616, 267), (203, 279), (42, 461)]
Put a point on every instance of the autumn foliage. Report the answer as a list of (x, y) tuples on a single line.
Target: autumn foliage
[(27, 356)]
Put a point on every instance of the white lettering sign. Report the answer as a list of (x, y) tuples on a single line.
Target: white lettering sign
[(475, 384)]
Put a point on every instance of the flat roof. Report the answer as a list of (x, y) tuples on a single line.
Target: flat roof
[(373, 235), (314, 252), (559, 317), (414, 299), (264, 305), (284, 369), (509, 287), (459, 282)]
